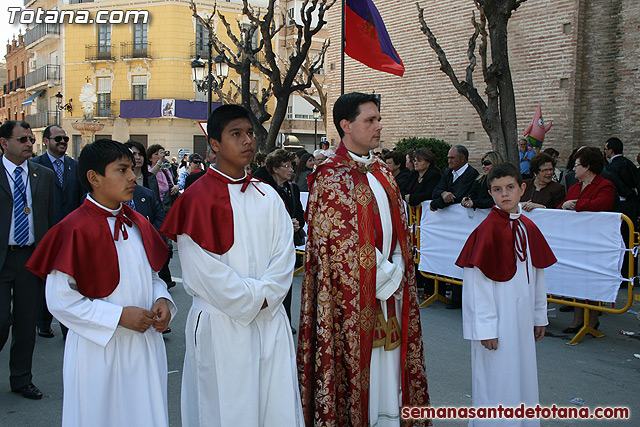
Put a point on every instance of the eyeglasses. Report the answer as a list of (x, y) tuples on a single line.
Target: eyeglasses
[(196, 162), (576, 165), (24, 139), (546, 170), (486, 163), (61, 138), (286, 166)]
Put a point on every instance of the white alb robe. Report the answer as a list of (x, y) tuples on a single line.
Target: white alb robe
[(507, 311), (240, 366), (385, 397), (112, 376)]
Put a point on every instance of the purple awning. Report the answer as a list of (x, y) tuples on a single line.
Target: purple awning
[(149, 108)]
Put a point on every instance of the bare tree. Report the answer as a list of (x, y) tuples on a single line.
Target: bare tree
[(316, 90), (498, 113), (243, 55)]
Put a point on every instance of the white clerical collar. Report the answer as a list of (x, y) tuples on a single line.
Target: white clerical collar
[(227, 176), (111, 211), (362, 159), (456, 174), (513, 215)]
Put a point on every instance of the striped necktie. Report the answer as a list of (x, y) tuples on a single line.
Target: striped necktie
[(59, 171), (21, 219)]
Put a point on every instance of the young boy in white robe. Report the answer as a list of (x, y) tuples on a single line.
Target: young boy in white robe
[(101, 265), (235, 243), (504, 303)]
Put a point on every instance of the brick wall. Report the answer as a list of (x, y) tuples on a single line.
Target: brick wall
[(548, 42)]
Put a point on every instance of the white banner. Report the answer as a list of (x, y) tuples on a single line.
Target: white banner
[(588, 246)]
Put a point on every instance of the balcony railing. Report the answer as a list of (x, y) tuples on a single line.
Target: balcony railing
[(48, 73), (199, 49), (5, 88), (20, 83), (135, 50), (39, 31), (94, 52), (12, 85), (42, 119)]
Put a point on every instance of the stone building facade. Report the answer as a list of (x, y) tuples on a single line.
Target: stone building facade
[(13, 91), (577, 59)]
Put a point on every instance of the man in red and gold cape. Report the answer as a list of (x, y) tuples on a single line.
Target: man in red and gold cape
[(360, 354)]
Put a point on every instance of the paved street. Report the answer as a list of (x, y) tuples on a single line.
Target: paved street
[(603, 372)]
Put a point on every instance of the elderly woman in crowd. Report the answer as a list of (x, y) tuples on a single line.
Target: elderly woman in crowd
[(479, 197), (557, 173), (541, 191), (595, 194), (423, 179), (396, 161), (278, 165), (304, 168)]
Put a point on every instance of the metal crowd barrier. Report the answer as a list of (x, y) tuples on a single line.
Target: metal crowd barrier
[(415, 214)]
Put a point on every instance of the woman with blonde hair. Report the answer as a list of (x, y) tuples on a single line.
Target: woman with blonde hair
[(479, 197)]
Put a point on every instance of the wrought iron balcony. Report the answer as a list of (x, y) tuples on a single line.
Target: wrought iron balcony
[(42, 119), (49, 73), (12, 85), (199, 49), (39, 31), (5, 88), (132, 50), (20, 83), (94, 52)]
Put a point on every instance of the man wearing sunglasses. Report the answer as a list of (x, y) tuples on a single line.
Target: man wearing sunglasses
[(26, 214), (67, 195)]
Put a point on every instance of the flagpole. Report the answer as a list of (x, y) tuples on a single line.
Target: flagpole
[(342, 53)]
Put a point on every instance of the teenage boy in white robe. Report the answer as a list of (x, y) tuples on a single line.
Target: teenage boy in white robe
[(504, 301), (100, 264), (235, 243)]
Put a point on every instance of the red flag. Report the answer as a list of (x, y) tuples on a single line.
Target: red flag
[(367, 40)]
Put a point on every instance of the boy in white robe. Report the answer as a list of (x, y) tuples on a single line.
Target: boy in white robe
[(504, 305), (235, 243), (101, 265)]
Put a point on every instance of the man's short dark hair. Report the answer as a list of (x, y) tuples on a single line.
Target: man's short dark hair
[(462, 151), (98, 155), (540, 159), (504, 170), (47, 131), (6, 129), (221, 117), (348, 107), (153, 149), (614, 144)]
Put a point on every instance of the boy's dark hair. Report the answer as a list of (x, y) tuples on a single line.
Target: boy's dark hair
[(6, 130), (348, 107), (98, 155), (503, 170), (153, 149), (221, 117)]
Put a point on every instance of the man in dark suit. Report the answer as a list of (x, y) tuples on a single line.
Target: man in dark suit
[(456, 182), (68, 196), (26, 213), (454, 185), (622, 172)]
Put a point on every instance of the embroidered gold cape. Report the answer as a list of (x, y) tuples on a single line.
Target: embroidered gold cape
[(338, 297)]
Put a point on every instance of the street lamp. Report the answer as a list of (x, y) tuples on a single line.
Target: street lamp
[(207, 81), (58, 104), (316, 116)]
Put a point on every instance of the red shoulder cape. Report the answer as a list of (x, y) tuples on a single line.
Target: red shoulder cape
[(204, 212), (81, 245), (491, 247)]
